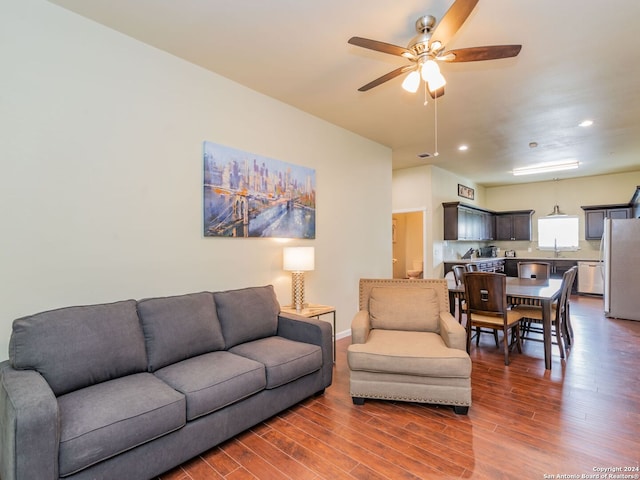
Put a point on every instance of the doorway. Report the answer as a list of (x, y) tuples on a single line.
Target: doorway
[(408, 243)]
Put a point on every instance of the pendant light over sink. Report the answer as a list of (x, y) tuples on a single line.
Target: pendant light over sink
[(557, 212)]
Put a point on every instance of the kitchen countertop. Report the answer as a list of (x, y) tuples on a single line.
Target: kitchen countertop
[(524, 259), (475, 260)]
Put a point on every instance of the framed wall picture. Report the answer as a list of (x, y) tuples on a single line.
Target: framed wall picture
[(249, 195), (465, 192)]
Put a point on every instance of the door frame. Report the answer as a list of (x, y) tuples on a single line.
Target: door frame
[(424, 233)]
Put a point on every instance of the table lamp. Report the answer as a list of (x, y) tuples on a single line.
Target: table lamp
[(298, 260)]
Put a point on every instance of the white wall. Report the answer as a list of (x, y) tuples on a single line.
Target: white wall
[(101, 186)]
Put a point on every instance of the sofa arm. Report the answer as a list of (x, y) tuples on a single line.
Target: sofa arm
[(453, 334), (360, 327), (29, 435), (310, 330)]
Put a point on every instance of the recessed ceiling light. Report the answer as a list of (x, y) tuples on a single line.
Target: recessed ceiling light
[(547, 167), (585, 123), (463, 148)]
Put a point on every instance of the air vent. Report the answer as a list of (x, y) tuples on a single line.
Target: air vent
[(424, 155)]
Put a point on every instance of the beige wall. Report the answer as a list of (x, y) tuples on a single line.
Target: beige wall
[(570, 195), (101, 185), (428, 187)]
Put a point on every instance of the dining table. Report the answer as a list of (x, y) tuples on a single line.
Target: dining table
[(524, 291)]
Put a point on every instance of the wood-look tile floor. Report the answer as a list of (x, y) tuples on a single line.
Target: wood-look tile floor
[(525, 422)]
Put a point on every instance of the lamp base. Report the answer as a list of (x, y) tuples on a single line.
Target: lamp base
[(297, 290)]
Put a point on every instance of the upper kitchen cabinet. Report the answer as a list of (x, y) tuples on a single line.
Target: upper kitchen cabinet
[(594, 218), (514, 225), (466, 222)]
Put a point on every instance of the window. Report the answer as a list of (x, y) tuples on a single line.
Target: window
[(558, 233)]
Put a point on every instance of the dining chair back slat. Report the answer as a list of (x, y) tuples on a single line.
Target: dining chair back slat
[(458, 272), (538, 270)]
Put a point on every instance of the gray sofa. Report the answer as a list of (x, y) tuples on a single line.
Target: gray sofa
[(133, 388)]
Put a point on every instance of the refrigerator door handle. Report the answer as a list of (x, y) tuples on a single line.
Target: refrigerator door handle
[(605, 247)]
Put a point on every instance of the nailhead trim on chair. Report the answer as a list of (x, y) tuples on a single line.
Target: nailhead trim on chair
[(407, 399)]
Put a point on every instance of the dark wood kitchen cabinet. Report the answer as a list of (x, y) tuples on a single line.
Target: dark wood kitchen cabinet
[(466, 222), (514, 225), (594, 218)]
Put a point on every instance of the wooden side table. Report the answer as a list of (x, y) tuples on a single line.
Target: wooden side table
[(314, 310)]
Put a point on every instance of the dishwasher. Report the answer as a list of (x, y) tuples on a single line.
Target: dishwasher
[(591, 278)]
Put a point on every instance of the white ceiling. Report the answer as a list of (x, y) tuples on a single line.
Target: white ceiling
[(580, 59)]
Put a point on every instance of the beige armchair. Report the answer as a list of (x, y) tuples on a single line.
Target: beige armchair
[(405, 345)]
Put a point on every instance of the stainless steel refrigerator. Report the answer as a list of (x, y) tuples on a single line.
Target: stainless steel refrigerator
[(621, 255)]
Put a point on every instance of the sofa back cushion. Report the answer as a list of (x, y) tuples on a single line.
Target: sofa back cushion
[(247, 314), (75, 347), (179, 327), (398, 308)]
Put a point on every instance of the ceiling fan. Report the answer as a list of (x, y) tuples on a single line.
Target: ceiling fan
[(428, 47)]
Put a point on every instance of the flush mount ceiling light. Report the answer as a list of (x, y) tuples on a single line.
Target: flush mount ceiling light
[(463, 148), (585, 123), (546, 167)]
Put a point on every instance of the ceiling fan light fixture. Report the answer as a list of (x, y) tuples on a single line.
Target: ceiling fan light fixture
[(411, 82), (436, 82), (430, 70)]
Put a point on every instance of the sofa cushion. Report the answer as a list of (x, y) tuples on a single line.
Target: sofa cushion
[(214, 380), (179, 327), (75, 347), (103, 420), (285, 360), (398, 308), (409, 353), (247, 314)]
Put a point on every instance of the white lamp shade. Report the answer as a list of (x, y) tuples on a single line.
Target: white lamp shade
[(298, 259)]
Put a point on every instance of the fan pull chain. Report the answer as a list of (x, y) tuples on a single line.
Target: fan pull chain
[(435, 109)]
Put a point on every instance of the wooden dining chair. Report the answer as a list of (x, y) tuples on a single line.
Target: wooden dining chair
[(568, 328), (486, 296), (458, 272), (560, 316), (537, 270)]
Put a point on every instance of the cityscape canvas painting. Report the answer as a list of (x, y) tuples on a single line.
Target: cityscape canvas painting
[(247, 195)]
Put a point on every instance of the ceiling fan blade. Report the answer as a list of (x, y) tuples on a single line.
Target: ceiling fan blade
[(380, 47), (475, 54), (437, 94), (452, 21), (386, 78)]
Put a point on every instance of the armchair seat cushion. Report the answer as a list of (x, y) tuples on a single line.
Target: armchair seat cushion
[(408, 353)]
